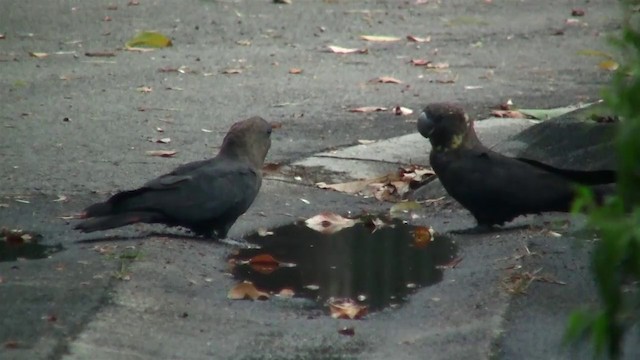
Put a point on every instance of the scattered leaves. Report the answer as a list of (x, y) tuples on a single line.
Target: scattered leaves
[(329, 223), (341, 50), (246, 290), (378, 38), (148, 40), (162, 153), (346, 309)]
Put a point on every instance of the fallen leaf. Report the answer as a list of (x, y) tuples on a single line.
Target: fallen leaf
[(445, 81), (100, 54), (287, 2), (133, 3), (346, 309), (11, 344), (351, 187), (378, 38), (386, 80), (206, 130), (295, 71), (418, 39), (441, 65), (286, 293), (399, 110), (22, 201), (244, 42), (148, 40), (144, 89), (514, 114), (232, 71), (301, 199), (329, 223), (341, 50), (272, 167), (246, 290), (161, 141), (419, 62), (608, 64), (162, 153), (404, 207), (38, 55), (422, 236), (3, 36), (572, 21), (577, 12), (264, 264), (61, 198), (367, 109)]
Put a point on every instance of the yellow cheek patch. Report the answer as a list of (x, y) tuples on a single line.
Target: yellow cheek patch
[(456, 141)]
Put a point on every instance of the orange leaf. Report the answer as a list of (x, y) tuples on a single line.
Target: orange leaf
[(422, 236), (295, 71), (246, 290)]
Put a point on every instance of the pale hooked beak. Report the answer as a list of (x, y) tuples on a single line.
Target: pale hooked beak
[(425, 125)]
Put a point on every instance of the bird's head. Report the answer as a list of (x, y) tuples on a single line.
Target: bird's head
[(445, 125), (249, 139)]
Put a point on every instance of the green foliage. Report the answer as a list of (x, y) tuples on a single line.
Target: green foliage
[(616, 258)]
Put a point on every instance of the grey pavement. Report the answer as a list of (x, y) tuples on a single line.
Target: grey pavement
[(73, 125)]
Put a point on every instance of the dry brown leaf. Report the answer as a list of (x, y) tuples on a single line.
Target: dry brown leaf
[(161, 141), (418, 39), (246, 290), (264, 264), (515, 114), (162, 153), (38, 55), (244, 42), (377, 38), (445, 81), (351, 187), (365, 142), (61, 198), (232, 71), (399, 110), (295, 71), (346, 309), (367, 109), (144, 89), (272, 167), (441, 65), (386, 80), (422, 236), (341, 50), (329, 223)]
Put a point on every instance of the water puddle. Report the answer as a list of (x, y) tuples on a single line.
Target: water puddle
[(377, 269), (18, 244)]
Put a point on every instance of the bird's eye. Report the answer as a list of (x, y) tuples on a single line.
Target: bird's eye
[(269, 129)]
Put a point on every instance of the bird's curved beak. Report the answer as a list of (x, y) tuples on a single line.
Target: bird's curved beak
[(425, 125)]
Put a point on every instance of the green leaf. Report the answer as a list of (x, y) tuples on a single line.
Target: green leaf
[(149, 39)]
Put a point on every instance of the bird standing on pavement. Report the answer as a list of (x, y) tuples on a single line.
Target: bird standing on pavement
[(204, 196), (493, 187)]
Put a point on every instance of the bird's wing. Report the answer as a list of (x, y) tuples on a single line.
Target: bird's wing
[(202, 193), (483, 180), (592, 177)]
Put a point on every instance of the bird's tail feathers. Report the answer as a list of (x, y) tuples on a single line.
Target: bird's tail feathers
[(117, 220)]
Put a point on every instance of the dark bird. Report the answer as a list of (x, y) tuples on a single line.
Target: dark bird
[(204, 196), (493, 187)]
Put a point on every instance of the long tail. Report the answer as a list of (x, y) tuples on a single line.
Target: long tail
[(117, 220)]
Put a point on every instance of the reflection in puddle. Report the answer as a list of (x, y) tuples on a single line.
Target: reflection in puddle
[(17, 244), (379, 269)]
